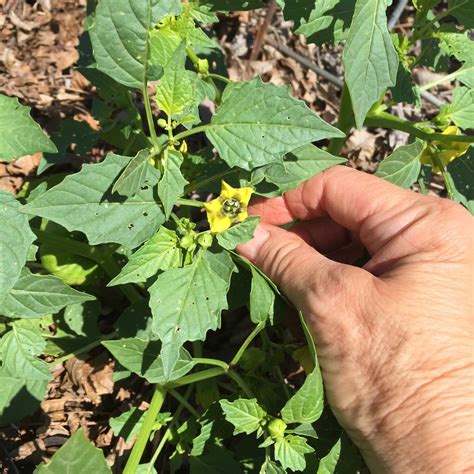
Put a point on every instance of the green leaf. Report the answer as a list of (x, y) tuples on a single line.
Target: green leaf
[(290, 451), (307, 404), (163, 44), (77, 456), (172, 184), (15, 241), (259, 123), (143, 358), (238, 234), (370, 59), (463, 11), (23, 377), (34, 296), (233, 5), (403, 166), (301, 165), (461, 172), (138, 173), (128, 424), (262, 299), (328, 463), (199, 296), (120, 39), (271, 467), (245, 414), (461, 46), (461, 110), (329, 21), (174, 92), (20, 135), (83, 202), (161, 252), (405, 90)]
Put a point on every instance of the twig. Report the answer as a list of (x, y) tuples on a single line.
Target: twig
[(262, 32), (397, 13)]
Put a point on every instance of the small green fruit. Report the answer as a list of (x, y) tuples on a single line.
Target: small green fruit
[(277, 428), (205, 240)]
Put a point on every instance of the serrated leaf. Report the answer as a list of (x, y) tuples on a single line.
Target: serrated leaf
[(138, 173), (245, 414), (143, 358), (120, 39), (174, 92), (461, 46), (370, 59), (20, 135), (172, 183), (307, 404), (34, 296), (301, 165), (128, 424), (161, 252), (259, 123), (83, 202), (16, 238), (221, 264), (238, 234), (403, 166), (262, 299), (290, 451), (77, 456), (163, 45), (461, 109), (463, 11), (199, 296)]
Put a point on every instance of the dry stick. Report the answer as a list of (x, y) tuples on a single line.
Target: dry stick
[(397, 13), (331, 77), (262, 32)]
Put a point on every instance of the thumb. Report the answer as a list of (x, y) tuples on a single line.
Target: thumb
[(315, 284)]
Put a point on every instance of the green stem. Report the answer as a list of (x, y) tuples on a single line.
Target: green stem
[(345, 122), (83, 350), (149, 118), (241, 383), (197, 185), (215, 362), (197, 377), (192, 131), (260, 326), (386, 120), (442, 80), (218, 77), (174, 393), (446, 177), (189, 203), (146, 429), (167, 434)]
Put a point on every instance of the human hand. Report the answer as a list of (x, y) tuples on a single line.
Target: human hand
[(395, 338)]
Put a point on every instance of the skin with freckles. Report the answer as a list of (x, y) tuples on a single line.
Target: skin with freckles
[(395, 338)]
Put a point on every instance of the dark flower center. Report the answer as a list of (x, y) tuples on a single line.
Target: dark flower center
[(232, 207)]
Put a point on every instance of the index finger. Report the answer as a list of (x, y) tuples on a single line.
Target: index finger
[(351, 198)]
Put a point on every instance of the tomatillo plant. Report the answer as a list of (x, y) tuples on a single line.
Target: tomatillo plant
[(143, 242)]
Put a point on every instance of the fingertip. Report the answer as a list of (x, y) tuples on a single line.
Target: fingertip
[(251, 249)]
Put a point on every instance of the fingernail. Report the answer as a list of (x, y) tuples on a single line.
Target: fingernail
[(251, 249)]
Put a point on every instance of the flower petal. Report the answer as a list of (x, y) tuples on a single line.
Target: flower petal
[(220, 224)]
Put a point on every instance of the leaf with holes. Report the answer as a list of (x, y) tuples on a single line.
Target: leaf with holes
[(199, 296), (290, 452), (84, 202), (257, 124), (20, 135)]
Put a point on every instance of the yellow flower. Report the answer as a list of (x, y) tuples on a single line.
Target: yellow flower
[(446, 151), (229, 208)]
